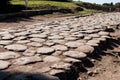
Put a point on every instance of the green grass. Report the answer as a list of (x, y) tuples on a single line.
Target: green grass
[(40, 4)]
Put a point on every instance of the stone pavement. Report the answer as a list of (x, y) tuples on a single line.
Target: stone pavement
[(54, 48)]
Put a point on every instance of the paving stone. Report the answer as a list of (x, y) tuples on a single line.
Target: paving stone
[(85, 49), (5, 42), (55, 37), (23, 41), (49, 43), (71, 60), (59, 41), (27, 60), (7, 37), (38, 40), (102, 33), (21, 34), (71, 38), (74, 44), (38, 36), (4, 64), (60, 47), (75, 54), (45, 50), (87, 38), (94, 35), (51, 59), (29, 52), (34, 44), (61, 66), (16, 47), (94, 41), (8, 55), (20, 38)]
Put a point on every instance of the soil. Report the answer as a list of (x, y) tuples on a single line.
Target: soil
[(29, 20), (107, 67)]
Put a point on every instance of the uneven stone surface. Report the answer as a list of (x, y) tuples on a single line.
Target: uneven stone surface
[(45, 50), (8, 55), (4, 64), (57, 48), (16, 47)]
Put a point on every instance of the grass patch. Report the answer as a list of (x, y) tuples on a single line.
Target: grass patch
[(43, 4)]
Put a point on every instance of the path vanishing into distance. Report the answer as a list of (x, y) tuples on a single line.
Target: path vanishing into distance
[(65, 49)]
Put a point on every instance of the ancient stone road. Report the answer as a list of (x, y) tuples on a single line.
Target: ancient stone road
[(53, 47)]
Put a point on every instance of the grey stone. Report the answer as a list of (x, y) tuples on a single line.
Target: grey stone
[(61, 66), (5, 42), (27, 60), (38, 35), (4, 64), (8, 55), (75, 54), (45, 50), (85, 49), (51, 59), (16, 47), (60, 47)]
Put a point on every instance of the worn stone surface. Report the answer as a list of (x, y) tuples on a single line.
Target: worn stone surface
[(16, 47), (75, 54), (55, 46), (4, 64), (8, 55), (45, 50), (85, 49)]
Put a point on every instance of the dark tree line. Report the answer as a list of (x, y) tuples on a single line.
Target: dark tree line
[(3, 3)]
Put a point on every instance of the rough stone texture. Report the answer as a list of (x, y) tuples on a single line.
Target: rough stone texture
[(75, 54), (55, 46), (61, 65), (45, 50), (85, 49), (51, 59), (27, 60), (5, 42), (74, 44), (8, 55), (16, 47), (60, 47), (4, 64)]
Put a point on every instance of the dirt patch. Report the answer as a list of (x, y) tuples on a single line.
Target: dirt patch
[(106, 68)]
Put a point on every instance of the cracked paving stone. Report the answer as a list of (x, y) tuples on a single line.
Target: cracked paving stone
[(8, 55), (45, 50), (16, 47), (34, 44)]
